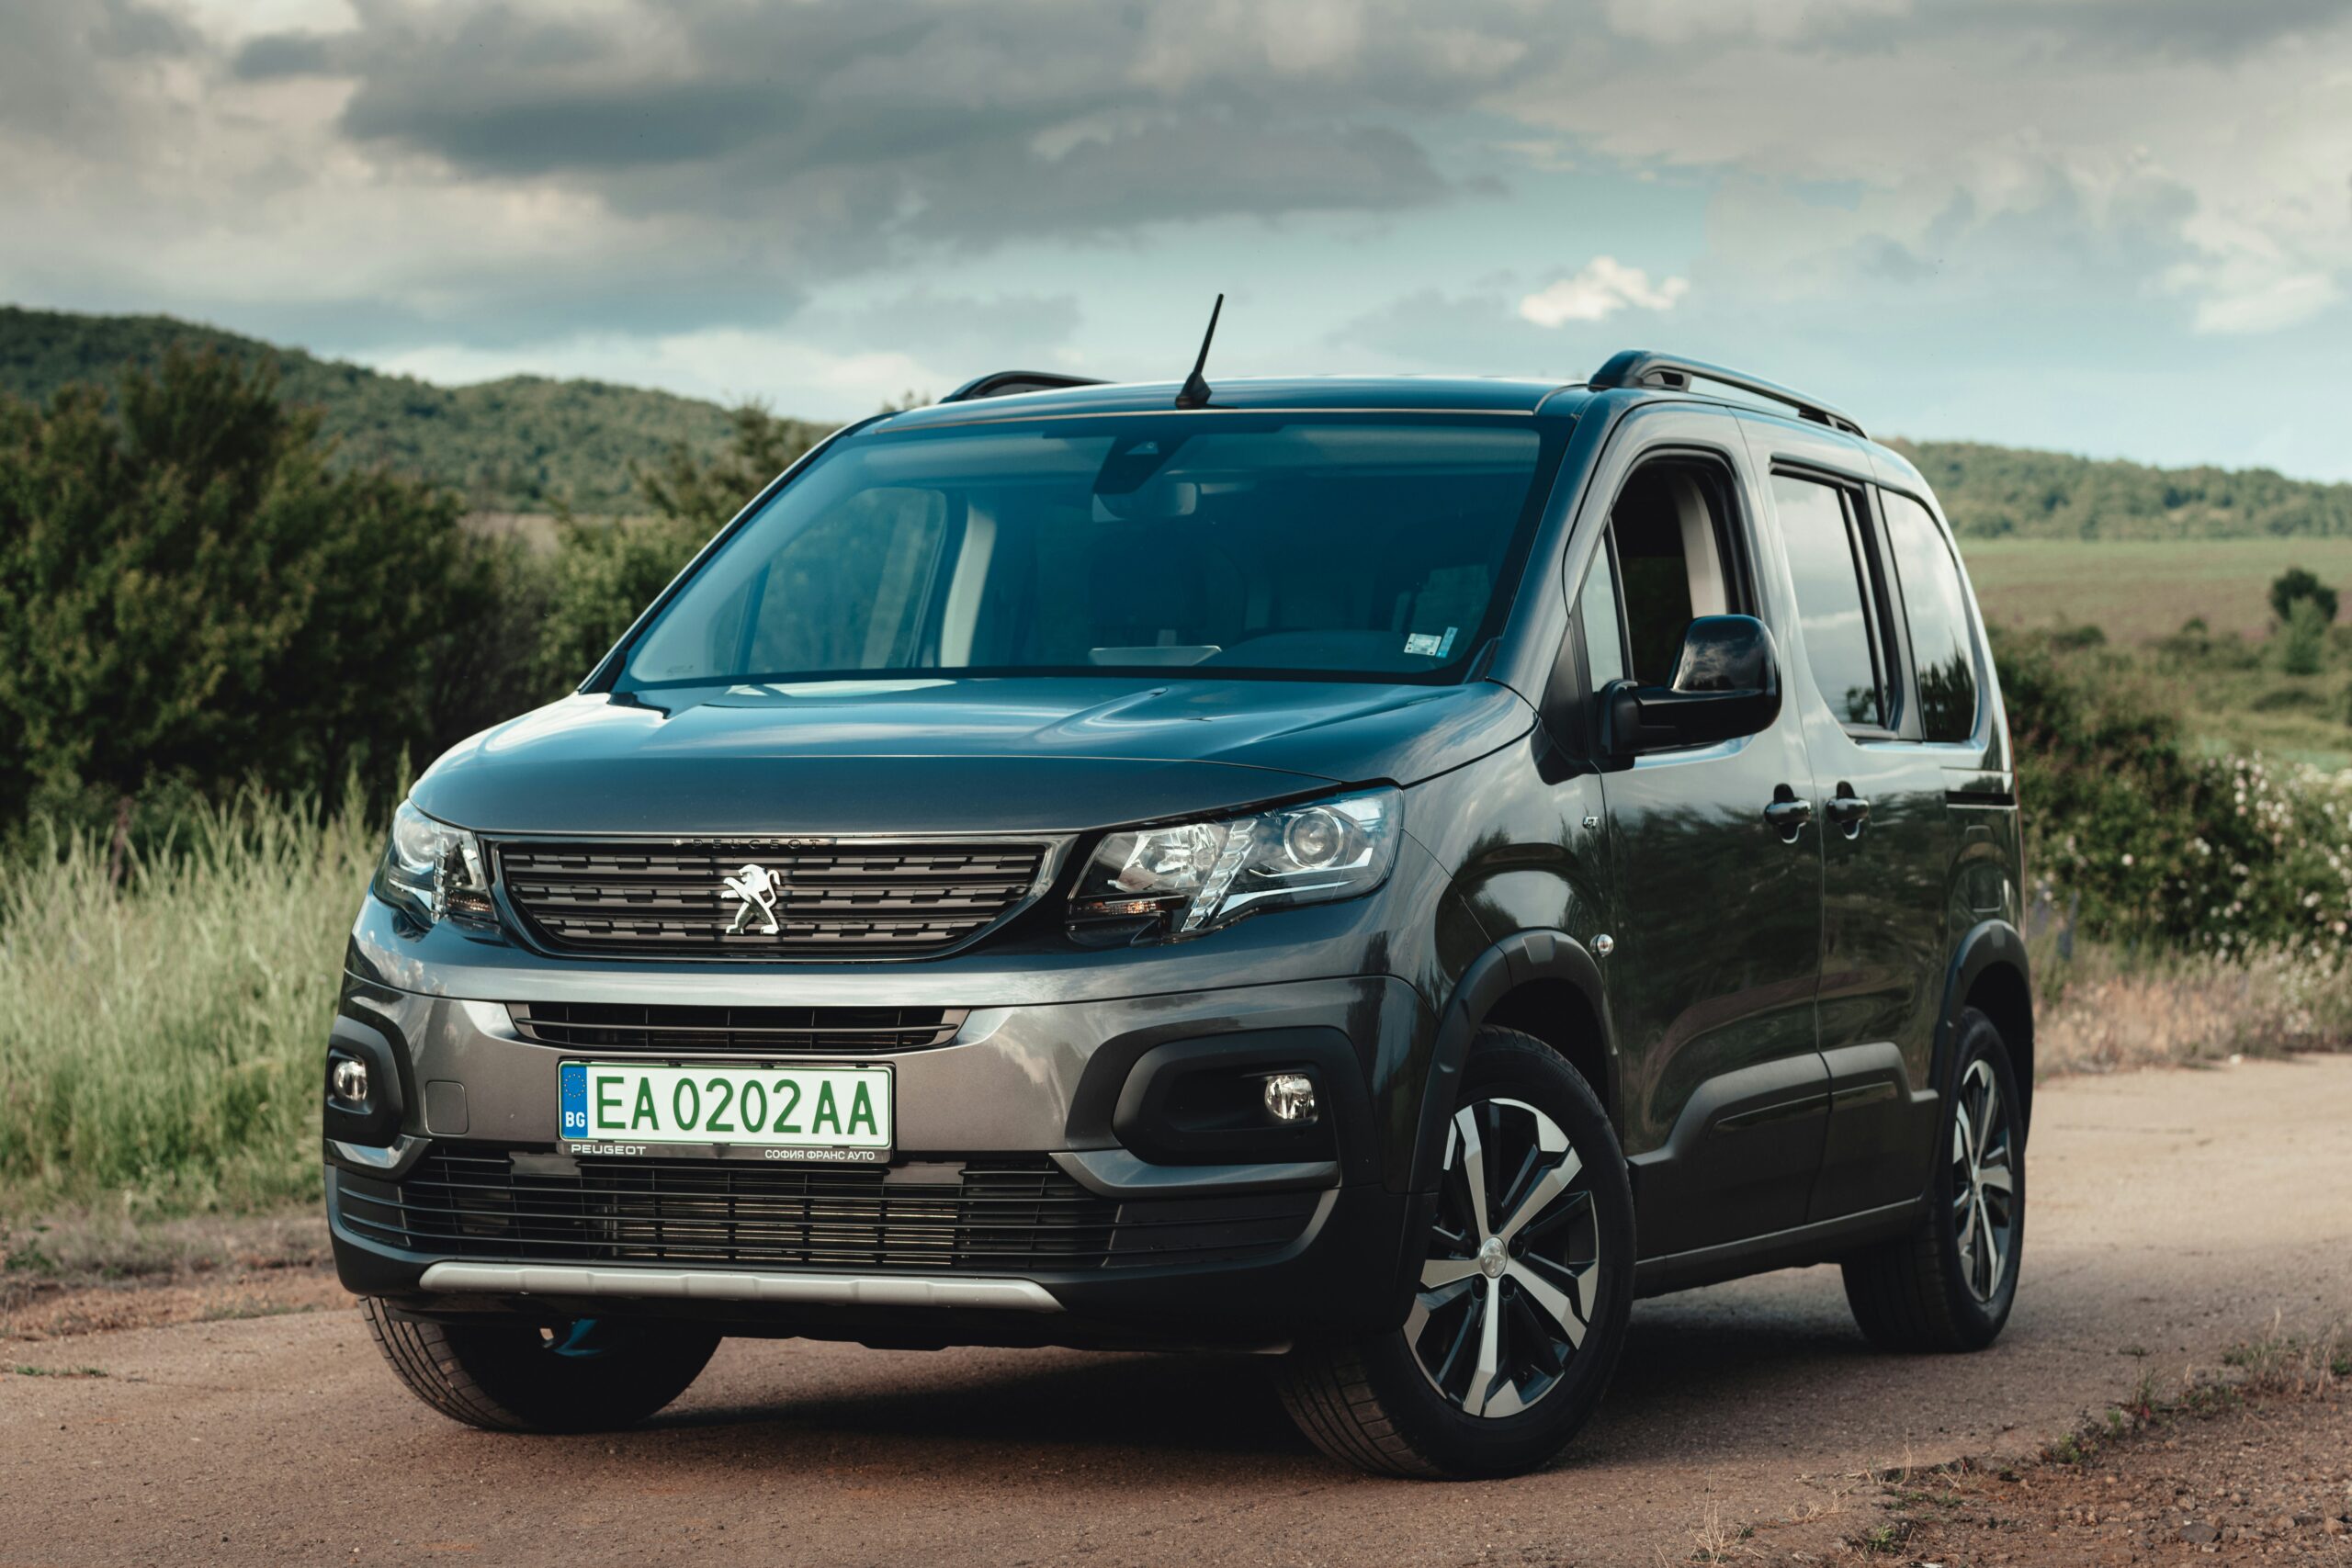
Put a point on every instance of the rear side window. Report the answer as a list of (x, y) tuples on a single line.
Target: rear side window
[(1935, 604), (1827, 559)]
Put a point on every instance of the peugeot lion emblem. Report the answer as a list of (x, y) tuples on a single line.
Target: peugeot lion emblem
[(756, 891)]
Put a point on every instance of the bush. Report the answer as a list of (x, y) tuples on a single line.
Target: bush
[(2220, 854), (2295, 586), (2302, 642), (605, 573), (189, 595)]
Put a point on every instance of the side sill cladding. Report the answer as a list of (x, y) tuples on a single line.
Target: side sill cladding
[(1520, 959), (1988, 945)]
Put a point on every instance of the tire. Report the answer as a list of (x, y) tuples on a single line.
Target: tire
[(1927, 1291), (586, 1376), (1371, 1402)]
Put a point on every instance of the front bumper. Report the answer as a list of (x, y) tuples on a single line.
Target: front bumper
[(476, 1206)]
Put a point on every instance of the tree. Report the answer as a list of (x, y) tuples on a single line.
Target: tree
[(188, 592), (608, 571), (2295, 583), (687, 487), (2303, 643)]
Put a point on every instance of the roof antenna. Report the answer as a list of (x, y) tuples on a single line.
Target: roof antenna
[(1195, 393)]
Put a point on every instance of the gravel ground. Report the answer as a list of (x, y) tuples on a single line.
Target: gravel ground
[(2262, 1477), (2174, 1214)]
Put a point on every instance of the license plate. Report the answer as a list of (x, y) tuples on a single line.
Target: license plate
[(827, 1114)]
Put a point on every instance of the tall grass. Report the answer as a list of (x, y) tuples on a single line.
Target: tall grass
[(2103, 1008), (163, 1016)]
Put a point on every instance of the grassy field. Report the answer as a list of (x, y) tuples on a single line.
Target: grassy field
[(2139, 590), (2294, 718)]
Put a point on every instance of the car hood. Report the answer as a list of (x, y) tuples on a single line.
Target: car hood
[(977, 755)]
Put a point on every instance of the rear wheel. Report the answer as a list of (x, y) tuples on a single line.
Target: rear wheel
[(1524, 1289), (587, 1375), (1951, 1284)]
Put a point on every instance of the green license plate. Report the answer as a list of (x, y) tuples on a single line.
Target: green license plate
[(828, 1112)]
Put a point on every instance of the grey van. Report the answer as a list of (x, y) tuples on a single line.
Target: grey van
[(1385, 872)]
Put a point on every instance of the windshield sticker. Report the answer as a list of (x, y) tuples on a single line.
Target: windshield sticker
[(1431, 642)]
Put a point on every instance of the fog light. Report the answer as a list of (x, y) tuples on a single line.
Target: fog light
[(1289, 1097), (350, 1080)]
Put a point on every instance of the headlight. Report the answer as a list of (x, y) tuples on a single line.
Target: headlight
[(1200, 876), (431, 869)]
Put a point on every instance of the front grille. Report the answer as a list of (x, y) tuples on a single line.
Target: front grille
[(984, 1215), (758, 1031), (861, 900)]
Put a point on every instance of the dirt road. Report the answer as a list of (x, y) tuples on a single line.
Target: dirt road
[(2173, 1214)]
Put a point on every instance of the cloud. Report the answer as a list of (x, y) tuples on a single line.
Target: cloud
[(959, 122), (626, 184), (1604, 288), (85, 75), (1675, 22), (2256, 304), (726, 364), (964, 333), (2238, 120)]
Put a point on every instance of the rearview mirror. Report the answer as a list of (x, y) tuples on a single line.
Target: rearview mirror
[(1726, 685)]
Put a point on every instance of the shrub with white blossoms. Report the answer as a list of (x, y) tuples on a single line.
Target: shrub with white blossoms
[(2155, 845), (2249, 854)]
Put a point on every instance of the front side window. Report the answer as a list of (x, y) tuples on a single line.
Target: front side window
[(1935, 604), (1357, 547), (1670, 542), (1827, 559), (1604, 633)]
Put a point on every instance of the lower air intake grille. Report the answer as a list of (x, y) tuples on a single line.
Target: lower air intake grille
[(1002, 1216), (852, 899), (621, 1026)]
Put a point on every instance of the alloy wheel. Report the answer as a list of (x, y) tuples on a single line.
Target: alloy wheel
[(1507, 1293), (1983, 1205)]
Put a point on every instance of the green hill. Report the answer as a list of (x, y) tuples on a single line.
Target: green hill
[(2010, 492), (528, 444), (524, 443)]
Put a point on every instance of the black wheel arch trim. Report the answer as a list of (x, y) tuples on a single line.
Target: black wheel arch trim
[(1986, 946), (1516, 960)]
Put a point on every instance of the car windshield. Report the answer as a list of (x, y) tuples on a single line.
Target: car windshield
[(1364, 546)]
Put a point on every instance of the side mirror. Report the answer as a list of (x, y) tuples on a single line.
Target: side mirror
[(1726, 685)]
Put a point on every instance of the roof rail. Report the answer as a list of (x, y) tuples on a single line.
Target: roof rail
[(1643, 367), (1005, 383)]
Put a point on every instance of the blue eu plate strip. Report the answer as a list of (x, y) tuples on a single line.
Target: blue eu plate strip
[(575, 1100)]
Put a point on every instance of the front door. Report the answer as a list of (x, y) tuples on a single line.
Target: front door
[(1718, 902)]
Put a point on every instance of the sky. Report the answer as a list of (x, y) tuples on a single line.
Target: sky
[(2120, 227)]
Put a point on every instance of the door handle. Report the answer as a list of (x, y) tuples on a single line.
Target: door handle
[(1850, 811), (1787, 815)]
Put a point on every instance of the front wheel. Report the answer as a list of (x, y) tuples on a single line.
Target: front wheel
[(1951, 1284), (587, 1375), (1525, 1288)]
